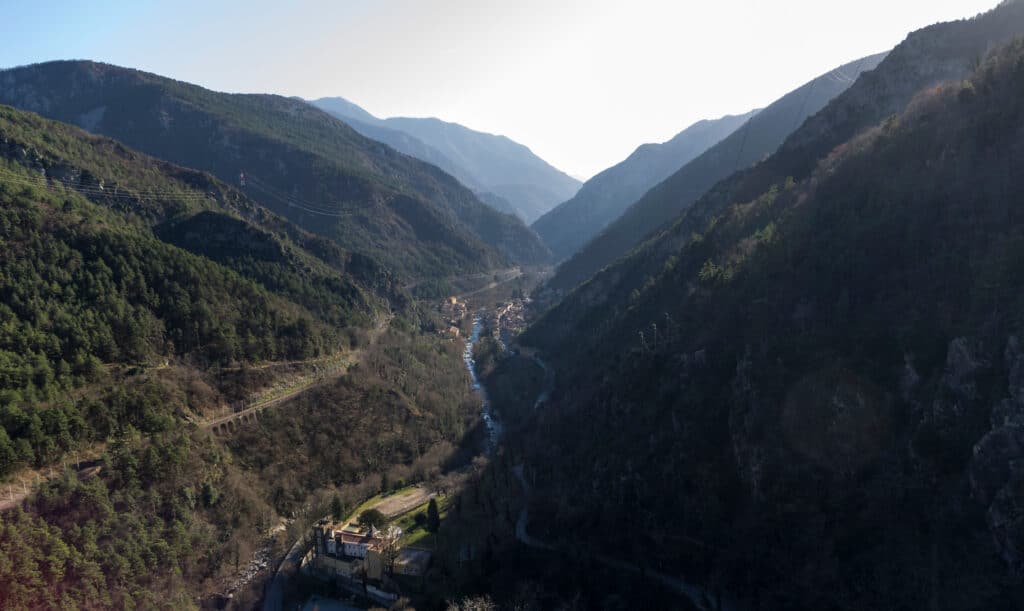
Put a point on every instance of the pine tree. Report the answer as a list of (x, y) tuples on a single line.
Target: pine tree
[(336, 508), (433, 516)]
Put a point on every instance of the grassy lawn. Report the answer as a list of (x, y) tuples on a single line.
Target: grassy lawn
[(368, 503), (416, 535), (376, 499)]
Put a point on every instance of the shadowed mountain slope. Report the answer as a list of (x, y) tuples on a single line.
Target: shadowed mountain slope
[(747, 145), (604, 198), (816, 398)]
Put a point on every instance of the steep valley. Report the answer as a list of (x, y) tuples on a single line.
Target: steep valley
[(259, 353)]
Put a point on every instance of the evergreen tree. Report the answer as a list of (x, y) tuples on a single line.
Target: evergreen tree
[(336, 508), (433, 516)]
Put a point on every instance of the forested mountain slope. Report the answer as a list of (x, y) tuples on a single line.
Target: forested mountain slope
[(603, 198), (300, 162), (483, 162), (137, 298), (816, 402), (939, 53), (747, 145), (412, 146), (115, 257)]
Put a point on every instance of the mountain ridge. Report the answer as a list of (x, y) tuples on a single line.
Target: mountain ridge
[(748, 145), (603, 198), (483, 161), (303, 163), (824, 364)]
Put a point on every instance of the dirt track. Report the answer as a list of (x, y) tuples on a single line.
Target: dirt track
[(396, 505)]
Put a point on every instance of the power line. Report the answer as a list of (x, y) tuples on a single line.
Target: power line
[(290, 199), (114, 192), (841, 77), (295, 202), (743, 145), (162, 194)]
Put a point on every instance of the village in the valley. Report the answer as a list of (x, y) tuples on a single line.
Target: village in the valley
[(506, 321)]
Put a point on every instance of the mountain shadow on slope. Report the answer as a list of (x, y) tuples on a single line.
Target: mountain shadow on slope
[(817, 402)]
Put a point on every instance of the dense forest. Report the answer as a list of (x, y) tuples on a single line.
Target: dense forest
[(813, 403), (403, 413), (301, 163), (139, 298), (81, 290), (789, 376)]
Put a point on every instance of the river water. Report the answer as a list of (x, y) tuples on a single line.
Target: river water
[(491, 422)]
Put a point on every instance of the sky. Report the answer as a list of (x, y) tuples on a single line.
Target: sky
[(580, 82)]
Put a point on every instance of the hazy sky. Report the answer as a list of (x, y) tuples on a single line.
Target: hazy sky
[(582, 83)]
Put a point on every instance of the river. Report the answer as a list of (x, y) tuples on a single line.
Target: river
[(491, 422), (700, 597)]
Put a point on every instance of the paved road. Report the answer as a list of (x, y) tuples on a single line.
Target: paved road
[(698, 596), (524, 516), (477, 276), (274, 598), (505, 276)]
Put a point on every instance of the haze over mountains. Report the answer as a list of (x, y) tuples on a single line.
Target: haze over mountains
[(496, 168), (780, 365), (759, 137), (300, 162), (603, 198)]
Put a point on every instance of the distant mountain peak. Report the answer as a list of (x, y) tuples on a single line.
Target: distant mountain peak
[(340, 106), (506, 170)]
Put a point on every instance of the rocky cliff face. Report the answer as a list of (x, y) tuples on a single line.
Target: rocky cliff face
[(997, 463)]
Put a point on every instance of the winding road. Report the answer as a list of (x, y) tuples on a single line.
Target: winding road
[(700, 597), (273, 600)]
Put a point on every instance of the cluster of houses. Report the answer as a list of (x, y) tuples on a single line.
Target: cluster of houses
[(511, 320), (454, 312)]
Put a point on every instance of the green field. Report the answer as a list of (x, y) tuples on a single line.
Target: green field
[(415, 534)]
